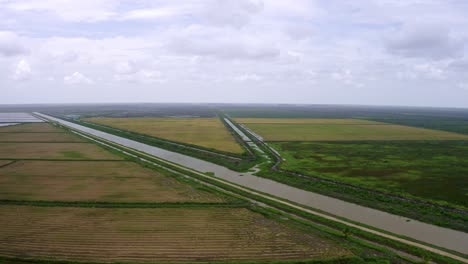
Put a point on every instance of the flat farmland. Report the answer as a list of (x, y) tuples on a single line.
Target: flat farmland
[(31, 127), (155, 235), (5, 162), (280, 129), (73, 151), (39, 137), (434, 170), (205, 132), (103, 181)]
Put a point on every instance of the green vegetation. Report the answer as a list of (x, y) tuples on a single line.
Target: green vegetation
[(432, 170), (277, 129), (452, 124), (422, 180)]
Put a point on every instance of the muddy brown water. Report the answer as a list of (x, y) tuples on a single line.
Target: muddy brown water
[(431, 234)]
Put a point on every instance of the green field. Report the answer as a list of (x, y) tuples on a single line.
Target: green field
[(433, 170), (303, 129), (205, 132)]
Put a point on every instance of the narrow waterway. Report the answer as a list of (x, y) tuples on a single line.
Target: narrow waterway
[(439, 236)]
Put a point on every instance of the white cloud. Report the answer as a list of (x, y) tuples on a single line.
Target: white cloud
[(289, 51), (219, 43), (77, 78), (463, 86), (140, 76), (10, 44), (153, 13), (235, 13), (426, 41), (430, 71), (132, 72), (22, 71), (70, 10), (248, 77)]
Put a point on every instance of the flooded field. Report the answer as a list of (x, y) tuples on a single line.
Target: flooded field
[(18, 118)]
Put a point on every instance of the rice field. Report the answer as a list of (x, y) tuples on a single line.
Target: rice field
[(155, 235), (18, 118), (106, 181), (280, 129), (205, 132), (47, 150), (4, 162), (39, 137), (31, 128)]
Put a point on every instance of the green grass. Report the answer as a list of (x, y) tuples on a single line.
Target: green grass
[(311, 129), (433, 170)]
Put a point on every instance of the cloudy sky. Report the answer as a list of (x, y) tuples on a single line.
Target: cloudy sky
[(379, 52)]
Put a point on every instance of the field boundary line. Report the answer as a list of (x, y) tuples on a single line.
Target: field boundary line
[(9, 163), (285, 203)]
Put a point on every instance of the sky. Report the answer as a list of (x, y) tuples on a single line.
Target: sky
[(369, 52)]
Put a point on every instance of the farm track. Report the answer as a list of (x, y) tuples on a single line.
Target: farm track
[(183, 159)]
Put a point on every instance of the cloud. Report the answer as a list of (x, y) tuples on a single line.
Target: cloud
[(430, 70), (77, 78), (153, 13), (235, 13), (459, 65), (346, 77), (463, 86), (10, 44), (22, 71), (425, 41), (69, 10), (203, 50), (248, 77), (130, 72), (211, 42)]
